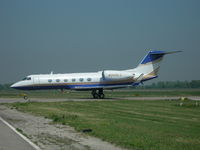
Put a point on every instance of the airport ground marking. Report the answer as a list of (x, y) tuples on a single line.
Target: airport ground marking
[(21, 135)]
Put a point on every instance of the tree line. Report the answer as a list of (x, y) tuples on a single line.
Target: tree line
[(172, 85), (156, 85), (5, 86)]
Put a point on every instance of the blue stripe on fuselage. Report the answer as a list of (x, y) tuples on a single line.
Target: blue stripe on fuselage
[(76, 86)]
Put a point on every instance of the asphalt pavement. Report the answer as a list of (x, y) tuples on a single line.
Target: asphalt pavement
[(10, 140), (13, 100)]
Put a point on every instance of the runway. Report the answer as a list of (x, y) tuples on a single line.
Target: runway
[(10, 139), (13, 100)]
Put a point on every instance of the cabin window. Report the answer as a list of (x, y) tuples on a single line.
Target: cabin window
[(89, 79), (81, 79), (57, 80), (65, 80), (50, 80), (73, 80)]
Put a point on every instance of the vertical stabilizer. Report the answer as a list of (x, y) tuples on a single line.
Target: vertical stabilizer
[(150, 64)]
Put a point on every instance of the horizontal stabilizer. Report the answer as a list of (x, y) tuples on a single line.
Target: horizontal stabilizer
[(155, 55), (173, 52), (163, 52)]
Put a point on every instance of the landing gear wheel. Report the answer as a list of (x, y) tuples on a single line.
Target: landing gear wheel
[(100, 93), (101, 96), (25, 97), (95, 96)]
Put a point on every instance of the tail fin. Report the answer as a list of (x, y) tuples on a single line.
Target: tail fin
[(150, 65)]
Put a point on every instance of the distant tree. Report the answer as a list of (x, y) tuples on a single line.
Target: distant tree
[(160, 85), (195, 84), (172, 84), (5, 87)]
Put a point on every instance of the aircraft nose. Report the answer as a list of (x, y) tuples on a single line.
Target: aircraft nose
[(20, 86), (14, 85)]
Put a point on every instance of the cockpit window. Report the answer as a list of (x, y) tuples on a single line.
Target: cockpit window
[(24, 78), (27, 78)]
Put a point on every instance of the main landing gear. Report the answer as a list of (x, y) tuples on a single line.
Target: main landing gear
[(98, 94)]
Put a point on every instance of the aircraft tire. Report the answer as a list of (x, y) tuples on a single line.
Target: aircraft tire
[(95, 96), (101, 96), (25, 97)]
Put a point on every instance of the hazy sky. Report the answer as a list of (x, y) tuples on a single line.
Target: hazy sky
[(40, 36)]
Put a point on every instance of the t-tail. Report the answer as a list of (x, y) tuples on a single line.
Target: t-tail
[(150, 65)]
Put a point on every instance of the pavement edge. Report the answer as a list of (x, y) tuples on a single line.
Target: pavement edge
[(21, 135)]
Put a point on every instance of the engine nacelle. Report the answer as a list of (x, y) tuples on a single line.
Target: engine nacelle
[(116, 75)]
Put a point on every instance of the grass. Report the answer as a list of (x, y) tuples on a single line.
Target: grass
[(138, 125), (109, 94), (21, 131)]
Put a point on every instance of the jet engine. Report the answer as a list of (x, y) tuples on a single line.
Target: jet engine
[(116, 75)]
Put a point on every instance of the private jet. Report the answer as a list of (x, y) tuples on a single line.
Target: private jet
[(97, 81)]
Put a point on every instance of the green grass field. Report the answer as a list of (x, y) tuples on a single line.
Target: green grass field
[(138, 125), (109, 94)]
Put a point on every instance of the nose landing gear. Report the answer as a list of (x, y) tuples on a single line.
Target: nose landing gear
[(98, 95), (25, 96)]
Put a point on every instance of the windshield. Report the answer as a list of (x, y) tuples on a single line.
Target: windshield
[(27, 78)]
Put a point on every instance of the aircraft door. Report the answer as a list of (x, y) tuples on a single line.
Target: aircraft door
[(36, 80)]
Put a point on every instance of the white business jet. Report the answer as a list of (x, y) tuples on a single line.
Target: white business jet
[(97, 81)]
